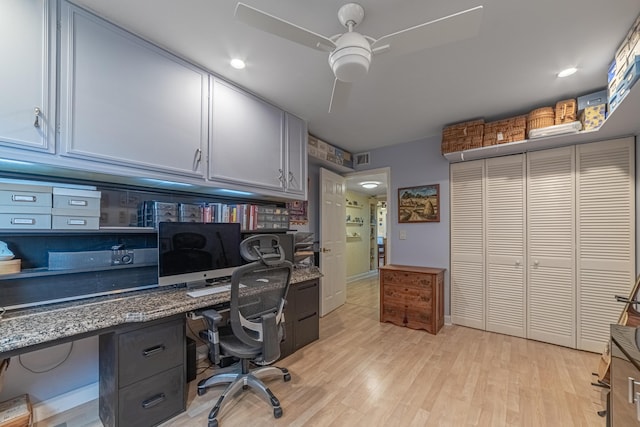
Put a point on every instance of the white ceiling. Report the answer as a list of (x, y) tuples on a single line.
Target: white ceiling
[(509, 68)]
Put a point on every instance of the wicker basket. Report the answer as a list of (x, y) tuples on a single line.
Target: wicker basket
[(503, 131), (566, 111), (541, 118), (462, 136)]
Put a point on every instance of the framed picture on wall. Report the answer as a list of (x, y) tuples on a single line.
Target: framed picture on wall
[(419, 204)]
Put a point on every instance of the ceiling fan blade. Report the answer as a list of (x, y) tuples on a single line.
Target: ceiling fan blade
[(274, 25), (339, 96), (459, 26)]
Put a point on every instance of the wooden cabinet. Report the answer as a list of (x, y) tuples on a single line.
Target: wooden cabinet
[(625, 377), (412, 296), (254, 145), (302, 319), (125, 102), (27, 47), (143, 373)]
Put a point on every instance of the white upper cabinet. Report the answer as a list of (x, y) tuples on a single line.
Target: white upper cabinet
[(27, 116), (254, 146), (296, 158), (126, 102)]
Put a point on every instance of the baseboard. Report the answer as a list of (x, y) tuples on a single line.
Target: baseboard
[(64, 402), (365, 275), (447, 319)]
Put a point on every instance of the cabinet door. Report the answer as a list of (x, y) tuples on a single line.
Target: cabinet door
[(467, 244), (551, 246), (27, 50), (605, 212), (296, 158), (247, 140), (505, 222), (126, 102)]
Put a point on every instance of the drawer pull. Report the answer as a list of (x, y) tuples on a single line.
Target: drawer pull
[(153, 350), (310, 285), (28, 221), (78, 202), (153, 401), (307, 317), (23, 198), (632, 383), (76, 222)]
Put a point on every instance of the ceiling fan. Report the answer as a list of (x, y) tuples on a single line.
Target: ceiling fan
[(350, 53)]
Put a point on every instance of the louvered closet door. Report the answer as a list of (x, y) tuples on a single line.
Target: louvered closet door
[(505, 232), (605, 236), (467, 244), (551, 246)]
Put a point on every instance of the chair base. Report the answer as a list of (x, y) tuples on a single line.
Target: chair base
[(244, 380)]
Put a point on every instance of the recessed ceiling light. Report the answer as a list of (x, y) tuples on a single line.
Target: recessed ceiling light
[(237, 63), (369, 184), (567, 72)]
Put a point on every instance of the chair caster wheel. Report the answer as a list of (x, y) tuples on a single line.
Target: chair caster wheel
[(287, 377), (277, 413), (213, 423), (201, 391)]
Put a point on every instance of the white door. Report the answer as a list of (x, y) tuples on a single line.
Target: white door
[(606, 236), (333, 284), (505, 222), (551, 246), (467, 244)]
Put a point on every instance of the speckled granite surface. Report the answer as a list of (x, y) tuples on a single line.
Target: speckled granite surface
[(24, 328)]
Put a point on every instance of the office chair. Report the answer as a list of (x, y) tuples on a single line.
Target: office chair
[(258, 292)]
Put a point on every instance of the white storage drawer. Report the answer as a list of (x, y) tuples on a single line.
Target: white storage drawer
[(24, 198), (25, 221), (69, 222), (67, 201)]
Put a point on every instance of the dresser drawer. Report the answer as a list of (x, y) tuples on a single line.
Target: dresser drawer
[(407, 278), (155, 399), (407, 295), (408, 316), (306, 296), (26, 198), (147, 351), (69, 201)]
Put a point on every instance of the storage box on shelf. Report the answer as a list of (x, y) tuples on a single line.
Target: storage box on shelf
[(593, 116), (462, 136), (566, 111), (324, 151), (503, 131), (540, 118), (303, 249)]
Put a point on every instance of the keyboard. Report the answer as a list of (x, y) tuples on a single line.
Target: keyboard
[(209, 290)]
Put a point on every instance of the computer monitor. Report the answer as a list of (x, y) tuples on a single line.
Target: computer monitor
[(195, 253)]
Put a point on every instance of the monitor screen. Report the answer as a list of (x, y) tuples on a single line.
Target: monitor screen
[(190, 252)]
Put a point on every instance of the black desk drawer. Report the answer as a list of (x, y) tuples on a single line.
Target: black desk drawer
[(147, 351), (307, 298), (150, 401)]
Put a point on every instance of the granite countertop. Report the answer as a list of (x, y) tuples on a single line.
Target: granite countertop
[(24, 328)]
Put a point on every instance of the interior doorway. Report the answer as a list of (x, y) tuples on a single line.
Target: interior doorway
[(367, 245)]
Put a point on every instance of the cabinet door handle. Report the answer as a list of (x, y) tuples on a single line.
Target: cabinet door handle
[(281, 176), (153, 401), (632, 394), (197, 158), (153, 350), (291, 177), (36, 112)]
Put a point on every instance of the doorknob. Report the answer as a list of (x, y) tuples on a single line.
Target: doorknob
[(326, 250)]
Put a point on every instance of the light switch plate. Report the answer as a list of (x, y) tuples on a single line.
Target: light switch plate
[(403, 234)]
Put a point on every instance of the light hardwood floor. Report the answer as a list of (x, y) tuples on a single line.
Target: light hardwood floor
[(364, 373)]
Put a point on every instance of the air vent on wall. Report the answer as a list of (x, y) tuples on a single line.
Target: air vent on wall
[(362, 159)]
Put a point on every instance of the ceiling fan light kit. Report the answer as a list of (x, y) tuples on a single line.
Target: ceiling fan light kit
[(350, 53)]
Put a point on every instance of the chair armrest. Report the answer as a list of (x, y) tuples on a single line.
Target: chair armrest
[(213, 320)]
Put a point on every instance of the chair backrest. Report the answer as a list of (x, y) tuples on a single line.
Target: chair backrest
[(258, 296)]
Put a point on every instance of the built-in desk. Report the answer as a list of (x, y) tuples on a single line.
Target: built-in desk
[(142, 341)]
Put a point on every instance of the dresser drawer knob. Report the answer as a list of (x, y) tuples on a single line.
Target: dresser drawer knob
[(153, 401), (153, 350)]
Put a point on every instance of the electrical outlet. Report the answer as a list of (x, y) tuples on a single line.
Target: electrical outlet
[(403, 234)]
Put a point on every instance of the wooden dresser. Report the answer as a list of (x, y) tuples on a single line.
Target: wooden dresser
[(412, 296)]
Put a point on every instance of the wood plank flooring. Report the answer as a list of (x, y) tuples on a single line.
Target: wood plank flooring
[(364, 373)]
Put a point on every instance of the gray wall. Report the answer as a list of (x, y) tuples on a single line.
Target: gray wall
[(412, 164)]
